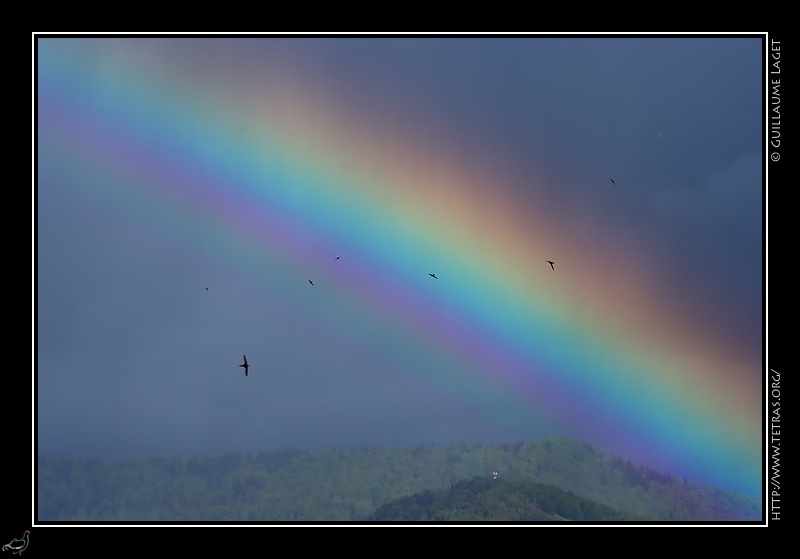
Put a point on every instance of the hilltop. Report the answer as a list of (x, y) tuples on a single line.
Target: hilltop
[(481, 499), (353, 484)]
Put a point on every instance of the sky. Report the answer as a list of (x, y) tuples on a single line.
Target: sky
[(189, 190)]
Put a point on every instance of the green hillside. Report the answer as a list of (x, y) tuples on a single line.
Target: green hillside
[(482, 499), (351, 485)]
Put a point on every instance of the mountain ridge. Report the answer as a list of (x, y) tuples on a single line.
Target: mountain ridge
[(483, 500), (351, 484)]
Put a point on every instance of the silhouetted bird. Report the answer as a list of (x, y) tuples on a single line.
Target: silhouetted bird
[(206, 289), (612, 182), (337, 258), (245, 365), (551, 264), (433, 276), (311, 282)]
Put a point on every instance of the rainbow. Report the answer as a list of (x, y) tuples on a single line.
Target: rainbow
[(280, 168)]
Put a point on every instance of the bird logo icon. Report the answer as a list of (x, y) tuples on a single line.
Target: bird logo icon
[(17, 546)]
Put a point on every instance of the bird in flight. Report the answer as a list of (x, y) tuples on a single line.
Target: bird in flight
[(311, 282), (245, 365), (206, 289), (551, 264), (337, 258), (433, 276), (612, 182)]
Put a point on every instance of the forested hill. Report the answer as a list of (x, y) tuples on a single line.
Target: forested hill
[(482, 499), (350, 485)]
